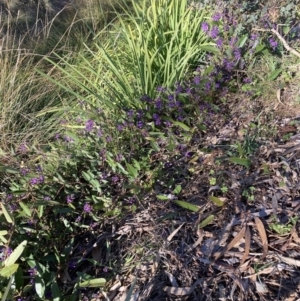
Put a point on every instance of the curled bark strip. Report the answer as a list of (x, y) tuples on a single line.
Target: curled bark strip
[(282, 40)]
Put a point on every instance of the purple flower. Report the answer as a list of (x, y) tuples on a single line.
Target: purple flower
[(247, 80), (205, 27), (156, 119), (273, 43), (109, 139), (130, 114), (69, 139), (219, 42), (9, 197), (87, 207), (237, 54), (102, 153), (23, 148), (254, 36), (24, 171), (146, 98), (120, 127), (158, 104), (89, 125), (119, 158), (34, 181), (207, 86), (70, 198), (214, 32), (47, 198), (115, 179), (140, 124), (161, 89), (196, 80), (188, 90), (217, 16), (168, 123), (99, 133), (57, 136)]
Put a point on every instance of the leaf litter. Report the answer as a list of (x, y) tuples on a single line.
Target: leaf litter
[(238, 243)]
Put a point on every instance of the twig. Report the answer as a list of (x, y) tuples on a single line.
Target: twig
[(279, 36)]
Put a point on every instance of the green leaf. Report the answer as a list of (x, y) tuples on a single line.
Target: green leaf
[(243, 40), (177, 189), (240, 161), (187, 205), (2, 238), (3, 232), (216, 201), (210, 48), (259, 48), (162, 197), (98, 282), (207, 221), (13, 257), (136, 164), (25, 208), (7, 271), (95, 183), (40, 211), (7, 215), (275, 74), (131, 170), (55, 291), (39, 286), (8, 169), (19, 278), (86, 176), (182, 125)]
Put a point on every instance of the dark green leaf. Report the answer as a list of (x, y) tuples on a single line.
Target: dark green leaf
[(240, 161), (25, 208), (8, 169), (7, 271), (216, 201), (187, 205), (39, 286), (9, 218), (98, 282), (207, 221), (19, 278), (131, 170), (275, 74), (162, 197), (182, 125), (177, 189)]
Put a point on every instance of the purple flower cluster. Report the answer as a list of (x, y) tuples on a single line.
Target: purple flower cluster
[(89, 125), (70, 198), (37, 180), (87, 208), (273, 43), (32, 273)]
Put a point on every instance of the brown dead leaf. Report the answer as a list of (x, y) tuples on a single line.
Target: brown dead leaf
[(156, 261), (261, 288), (263, 235), (289, 261), (235, 240), (172, 279), (97, 254), (182, 291), (170, 237), (247, 244)]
